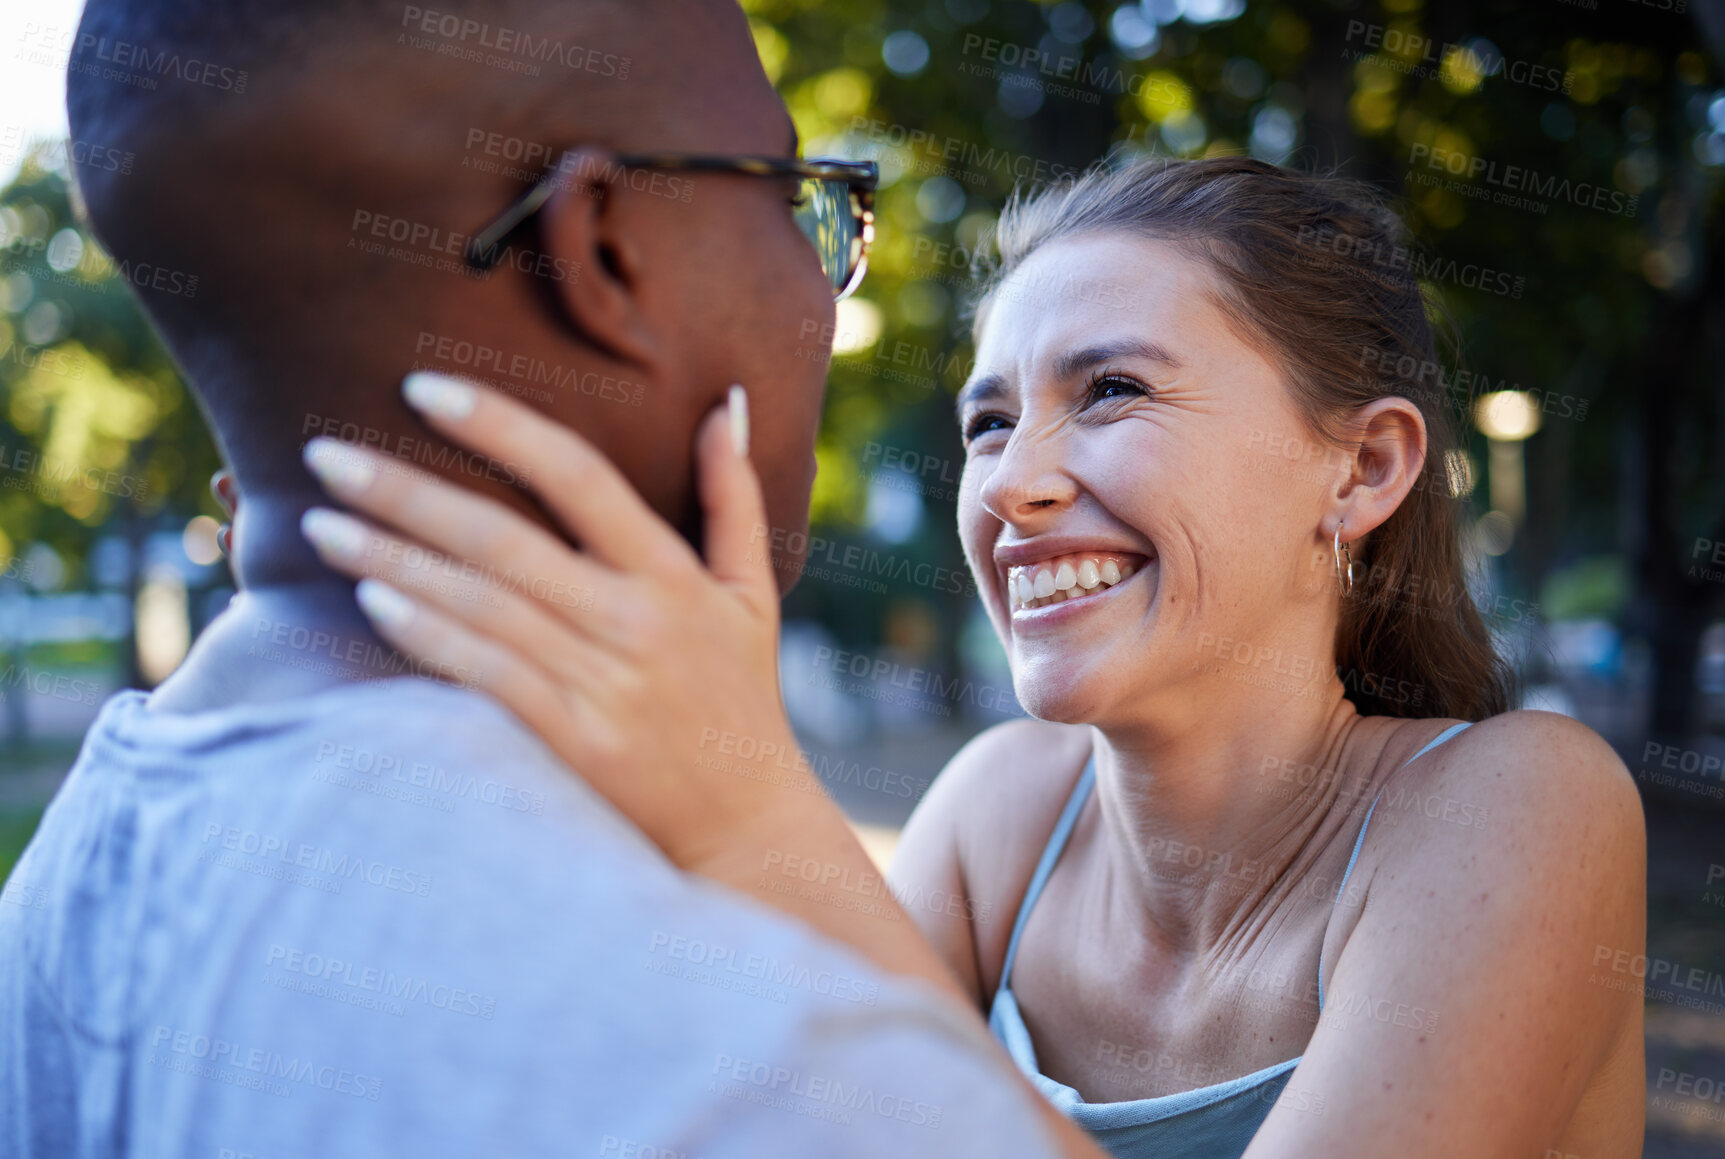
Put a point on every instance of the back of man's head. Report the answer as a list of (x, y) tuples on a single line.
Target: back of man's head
[(318, 165)]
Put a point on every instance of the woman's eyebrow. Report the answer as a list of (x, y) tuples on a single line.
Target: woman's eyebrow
[(1070, 365), (1075, 362), (989, 386)]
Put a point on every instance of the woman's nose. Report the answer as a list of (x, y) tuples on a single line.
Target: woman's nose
[(1029, 479)]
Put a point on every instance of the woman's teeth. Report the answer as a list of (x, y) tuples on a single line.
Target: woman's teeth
[(1070, 578)]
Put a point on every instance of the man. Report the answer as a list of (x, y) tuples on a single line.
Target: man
[(291, 907)]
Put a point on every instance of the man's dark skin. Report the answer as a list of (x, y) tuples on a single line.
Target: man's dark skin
[(293, 325)]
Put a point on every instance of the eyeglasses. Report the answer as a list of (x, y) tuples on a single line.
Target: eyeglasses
[(834, 206)]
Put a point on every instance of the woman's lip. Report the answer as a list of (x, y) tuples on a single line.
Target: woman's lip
[(1053, 613)]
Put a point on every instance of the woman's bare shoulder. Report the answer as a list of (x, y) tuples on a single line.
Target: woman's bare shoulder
[(1509, 861), (986, 819), (1542, 763), (1011, 775), (1530, 814), (1504, 787)]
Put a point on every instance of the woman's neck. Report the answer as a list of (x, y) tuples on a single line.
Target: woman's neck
[(1211, 820)]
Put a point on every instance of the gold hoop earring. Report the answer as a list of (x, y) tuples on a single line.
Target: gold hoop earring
[(1344, 570)]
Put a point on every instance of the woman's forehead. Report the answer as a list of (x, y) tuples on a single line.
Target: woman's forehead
[(1073, 292)]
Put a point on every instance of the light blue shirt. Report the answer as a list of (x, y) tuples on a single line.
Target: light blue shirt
[(385, 920)]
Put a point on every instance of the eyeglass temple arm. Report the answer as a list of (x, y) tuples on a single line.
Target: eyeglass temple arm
[(482, 246), (481, 250)]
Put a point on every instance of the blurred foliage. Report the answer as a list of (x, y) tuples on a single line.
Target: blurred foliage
[(1596, 587), (962, 100), (1622, 98), (97, 425)]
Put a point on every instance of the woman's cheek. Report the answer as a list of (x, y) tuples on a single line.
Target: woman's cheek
[(973, 519)]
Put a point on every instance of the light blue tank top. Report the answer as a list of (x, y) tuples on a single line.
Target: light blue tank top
[(1213, 1122)]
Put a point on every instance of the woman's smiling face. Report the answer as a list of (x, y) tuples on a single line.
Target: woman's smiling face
[(1116, 424)]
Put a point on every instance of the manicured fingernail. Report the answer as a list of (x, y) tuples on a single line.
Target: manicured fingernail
[(387, 607), (738, 404), (439, 395), (333, 533), (343, 469)]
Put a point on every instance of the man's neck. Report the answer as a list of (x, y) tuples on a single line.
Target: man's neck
[(292, 631)]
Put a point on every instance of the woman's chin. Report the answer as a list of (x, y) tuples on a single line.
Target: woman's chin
[(1057, 701)]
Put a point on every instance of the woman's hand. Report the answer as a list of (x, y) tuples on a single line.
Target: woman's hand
[(630, 658), (652, 674)]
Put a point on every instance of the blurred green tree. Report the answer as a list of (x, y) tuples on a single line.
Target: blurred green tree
[(98, 435)]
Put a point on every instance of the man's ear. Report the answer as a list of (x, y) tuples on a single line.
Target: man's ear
[(600, 289), (1390, 453)]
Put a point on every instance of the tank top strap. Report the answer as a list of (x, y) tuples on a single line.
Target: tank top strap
[(1050, 854), (1359, 841)]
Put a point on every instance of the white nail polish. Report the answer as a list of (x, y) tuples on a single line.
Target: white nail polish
[(737, 402), (386, 607), (343, 469), (334, 533), (439, 395)]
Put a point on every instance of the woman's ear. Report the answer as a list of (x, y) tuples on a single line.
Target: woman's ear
[(596, 263), (1388, 455)]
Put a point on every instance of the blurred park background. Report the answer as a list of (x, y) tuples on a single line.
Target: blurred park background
[(1558, 160)]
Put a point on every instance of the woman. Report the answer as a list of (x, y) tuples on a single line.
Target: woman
[(1273, 872)]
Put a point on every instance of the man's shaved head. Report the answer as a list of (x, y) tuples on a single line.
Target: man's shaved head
[(328, 102), (320, 166)]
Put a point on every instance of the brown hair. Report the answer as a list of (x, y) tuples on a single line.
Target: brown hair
[(1318, 272)]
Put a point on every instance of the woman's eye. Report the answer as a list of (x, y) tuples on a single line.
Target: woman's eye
[(1109, 386), (979, 425)]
